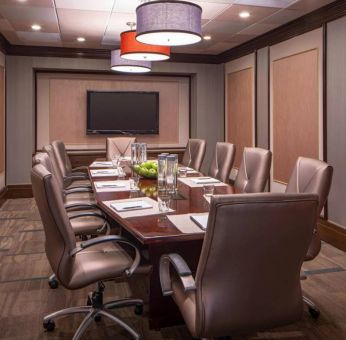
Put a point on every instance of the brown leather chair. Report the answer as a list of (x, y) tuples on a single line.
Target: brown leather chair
[(254, 170), (85, 217), (222, 162), (194, 153), (248, 275), (312, 176), (78, 265), (119, 146), (63, 161)]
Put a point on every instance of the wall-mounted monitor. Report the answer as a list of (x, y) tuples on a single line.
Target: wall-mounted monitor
[(122, 112)]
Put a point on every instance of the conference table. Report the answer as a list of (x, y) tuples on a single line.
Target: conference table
[(156, 235)]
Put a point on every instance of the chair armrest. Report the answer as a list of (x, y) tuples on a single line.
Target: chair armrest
[(182, 270), (80, 169), (80, 206), (110, 238), (77, 190), (75, 177)]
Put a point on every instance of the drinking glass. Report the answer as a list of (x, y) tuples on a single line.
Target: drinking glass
[(121, 172), (164, 200), (116, 162), (183, 172), (208, 189), (134, 183)]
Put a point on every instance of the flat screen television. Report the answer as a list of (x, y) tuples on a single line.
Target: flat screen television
[(122, 112)]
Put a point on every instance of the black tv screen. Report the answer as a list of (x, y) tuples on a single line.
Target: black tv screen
[(122, 112)]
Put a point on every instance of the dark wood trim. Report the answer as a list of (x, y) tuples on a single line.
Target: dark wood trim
[(3, 192), (19, 191), (332, 234), (324, 104), (255, 99), (69, 52), (269, 111), (306, 23)]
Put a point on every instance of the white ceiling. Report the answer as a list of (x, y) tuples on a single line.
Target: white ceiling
[(100, 22)]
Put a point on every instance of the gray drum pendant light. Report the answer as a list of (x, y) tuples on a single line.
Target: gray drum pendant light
[(169, 23)]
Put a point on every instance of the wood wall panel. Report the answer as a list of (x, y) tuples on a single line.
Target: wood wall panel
[(295, 111), (240, 111), (2, 119), (62, 107)]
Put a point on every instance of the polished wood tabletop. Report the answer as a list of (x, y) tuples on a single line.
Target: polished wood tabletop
[(157, 228)]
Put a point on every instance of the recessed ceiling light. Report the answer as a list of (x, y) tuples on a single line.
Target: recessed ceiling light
[(244, 14), (36, 27), (207, 37), (81, 39)]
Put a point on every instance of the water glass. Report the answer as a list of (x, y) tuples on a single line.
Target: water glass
[(116, 162), (164, 200), (182, 172), (121, 172), (134, 181), (208, 189)]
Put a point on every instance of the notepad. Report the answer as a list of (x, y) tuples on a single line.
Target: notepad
[(204, 180), (101, 164), (131, 205), (103, 185), (104, 173), (200, 220)]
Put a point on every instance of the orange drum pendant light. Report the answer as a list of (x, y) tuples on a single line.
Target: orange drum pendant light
[(134, 50)]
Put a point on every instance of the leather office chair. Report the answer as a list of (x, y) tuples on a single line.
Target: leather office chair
[(84, 223), (222, 162), (63, 161), (254, 170), (119, 146), (248, 275), (194, 153), (77, 265), (312, 176)]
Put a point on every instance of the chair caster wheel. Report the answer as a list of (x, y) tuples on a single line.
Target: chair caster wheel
[(139, 309), (315, 313), (53, 283), (49, 325), (97, 318)]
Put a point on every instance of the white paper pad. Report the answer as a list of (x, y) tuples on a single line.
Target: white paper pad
[(201, 220), (104, 173), (190, 181), (154, 210), (185, 224), (132, 205), (101, 164), (188, 170), (112, 186)]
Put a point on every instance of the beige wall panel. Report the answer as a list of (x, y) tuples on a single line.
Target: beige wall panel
[(295, 111), (240, 111), (67, 109), (2, 119)]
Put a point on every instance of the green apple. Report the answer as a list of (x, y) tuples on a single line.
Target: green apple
[(152, 172)]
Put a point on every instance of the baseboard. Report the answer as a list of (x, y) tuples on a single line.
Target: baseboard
[(332, 234), (3, 196), (19, 191)]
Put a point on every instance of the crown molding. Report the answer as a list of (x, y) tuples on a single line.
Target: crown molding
[(306, 23)]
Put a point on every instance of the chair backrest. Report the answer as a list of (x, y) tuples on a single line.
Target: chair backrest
[(55, 168), (248, 275), (60, 238), (194, 153), (222, 162), (254, 170), (119, 146), (62, 158), (311, 176)]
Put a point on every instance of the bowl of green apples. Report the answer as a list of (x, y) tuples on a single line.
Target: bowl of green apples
[(146, 169)]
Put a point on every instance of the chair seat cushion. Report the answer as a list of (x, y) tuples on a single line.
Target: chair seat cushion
[(86, 225), (97, 263)]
